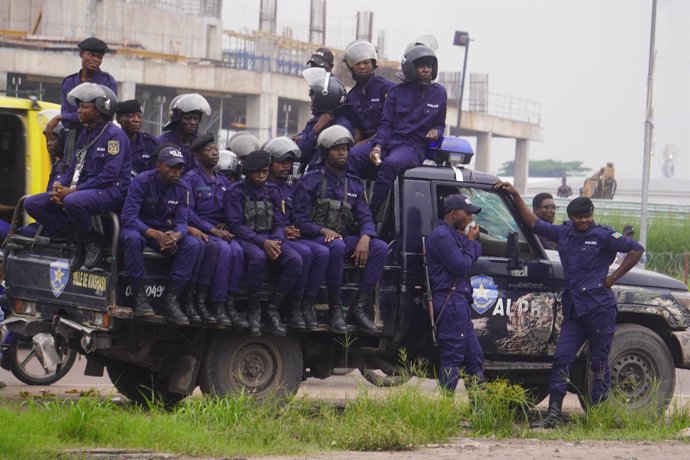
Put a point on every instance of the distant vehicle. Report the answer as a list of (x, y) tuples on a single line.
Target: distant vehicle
[(602, 184)]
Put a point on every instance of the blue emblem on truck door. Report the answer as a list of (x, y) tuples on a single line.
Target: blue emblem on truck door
[(59, 276), (484, 293)]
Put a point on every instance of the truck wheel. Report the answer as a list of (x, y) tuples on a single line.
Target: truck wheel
[(140, 385), (380, 378), (26, 366), (642, 369), (264, 366)]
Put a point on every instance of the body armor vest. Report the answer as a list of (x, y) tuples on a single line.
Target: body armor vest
[(336, 215)]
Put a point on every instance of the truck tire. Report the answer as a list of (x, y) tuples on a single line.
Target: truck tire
[(141, 386), (642, 369), (26, 366), (263, 366), (380, 378)]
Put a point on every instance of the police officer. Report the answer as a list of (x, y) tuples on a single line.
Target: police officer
[(321, 58), (545, 208), (451, 250), (366, 99), (228, 165), (414, 114), (96, 180), (129, 116), (185, 114), (330, 208), (253, 210), (314, 255), (589, 305), (155, 214), (242, 143), (328, 107), (222, 265)]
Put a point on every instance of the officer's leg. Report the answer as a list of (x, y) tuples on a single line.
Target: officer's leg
[(46, 213), (296, 319), (133, 246), (358, 158), (291, 269), (317, 273), (236, 272), (334, 282), (398, 160), (601, 326), (450, 333), (181, 271), (254, 273), (378, 249), (474, 356), (197, 290)]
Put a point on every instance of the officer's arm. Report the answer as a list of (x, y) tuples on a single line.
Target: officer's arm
[(132, 207), (364, 217), (457, 260), (307, 142), (66, 113), (440, 120), (182, 213), (279, 219), (301, 207), (383, 134), (528, 217), (634, 250)]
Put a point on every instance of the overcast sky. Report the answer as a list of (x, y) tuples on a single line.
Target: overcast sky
[(585, 61)]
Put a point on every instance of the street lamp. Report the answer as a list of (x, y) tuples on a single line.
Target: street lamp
[(461, 39)]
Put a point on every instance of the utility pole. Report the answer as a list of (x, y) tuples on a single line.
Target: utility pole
[(648, 132)]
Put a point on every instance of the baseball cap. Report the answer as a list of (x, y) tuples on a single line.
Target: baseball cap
[(321, 58), (170, 156), (459, 201), (93, 45)]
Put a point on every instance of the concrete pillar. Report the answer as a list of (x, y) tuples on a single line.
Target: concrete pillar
[(482, 157), (262, 111), (126, 90), (3, 82), (521, 165)]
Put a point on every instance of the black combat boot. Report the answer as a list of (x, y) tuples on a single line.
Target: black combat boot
[(296, 320), (554, 416), (200, 294), (272, 315), (172, 306), (308, 314), (357, 314), (93, 248), (78, 255), (187, 303), (218, 309), (335, 311), (254, 314), (141, 307), (238, 319)]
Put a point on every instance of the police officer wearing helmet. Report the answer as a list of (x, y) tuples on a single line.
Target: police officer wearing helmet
[(96, 179), (589, 305), (330, 208), (253, 210), (366, 99), (451, 249), (222, 266), (414, 114), (185, 114), (243, 143), (228, 165), (129, 116), (328, 107), (155, 215), (315, 256)]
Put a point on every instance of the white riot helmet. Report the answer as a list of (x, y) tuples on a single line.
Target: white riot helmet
[(227, 162), (333, 136), (103, 97), (282, 147), (186, 103), (414, 55), (359, 51), (243, 143)]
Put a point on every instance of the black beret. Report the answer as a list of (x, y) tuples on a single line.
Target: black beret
[(256, 161), (94, 45), (580, 205), (130, 106), (202, 141)]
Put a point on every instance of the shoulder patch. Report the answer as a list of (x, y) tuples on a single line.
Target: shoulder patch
[(616, 235), (113, 147)]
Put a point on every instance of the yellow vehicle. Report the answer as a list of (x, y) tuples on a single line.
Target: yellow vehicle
[(602, 184), (24, 159)]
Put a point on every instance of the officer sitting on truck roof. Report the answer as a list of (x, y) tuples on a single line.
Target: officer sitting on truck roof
[(329, 207), (96, 180), (129, 116), (155, 215), (253, 210), (185, 114), (222, 265)]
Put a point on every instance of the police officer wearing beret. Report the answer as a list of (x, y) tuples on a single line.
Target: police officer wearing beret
[(451, 249), (589, 304), (155, 215), (96, 179), (330, 208), (253, 210), (222, 265), (129, 116)]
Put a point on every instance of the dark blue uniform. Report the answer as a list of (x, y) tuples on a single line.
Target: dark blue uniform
[(151, 203), (70, 119), (367, 103), (410, 111), (589, 307), (101, 186), (252, 242), (169, 137), (308, 137), (450, 256), (305, 197), (206, 195), (142, 148)]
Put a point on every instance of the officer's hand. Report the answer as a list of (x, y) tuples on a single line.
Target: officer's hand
[(473, 233), (272, 249), (324, 120), (292, 232), (506, 187), (60, 192), (375, 155), (222, 226), (198, 234), (361, 253), (221, 233), (432, 135), (609, 281), (330, 235), (48, 130)]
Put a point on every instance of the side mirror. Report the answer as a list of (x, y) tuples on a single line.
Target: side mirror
[(512, 254)]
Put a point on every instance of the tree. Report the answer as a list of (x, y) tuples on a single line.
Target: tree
[(546, 168)]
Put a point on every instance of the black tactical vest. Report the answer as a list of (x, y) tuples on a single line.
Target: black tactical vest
[(258, 215), (336, 215)]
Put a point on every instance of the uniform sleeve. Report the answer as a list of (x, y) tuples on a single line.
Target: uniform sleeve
[(181, 217), (301, 208), (112, 164), (364, 217), (457, 260), (386, 127), (68, 114), (307, 142), (440, 120), (233, 206), (619, 243), (548, 230), (132, 207), (279, 218)]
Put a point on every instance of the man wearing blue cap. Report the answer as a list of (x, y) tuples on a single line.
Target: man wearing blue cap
[(451, 249), (589, 305), (155, 214)]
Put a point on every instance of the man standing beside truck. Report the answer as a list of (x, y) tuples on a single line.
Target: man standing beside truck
[(589, 305), (451, 249)]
